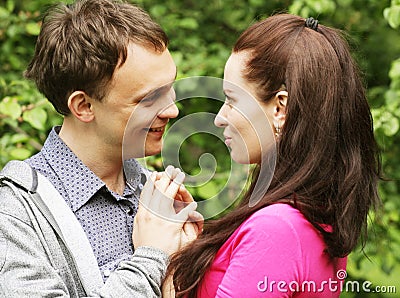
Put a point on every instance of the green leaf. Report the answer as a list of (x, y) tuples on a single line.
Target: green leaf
[(32, 29), (19, 138), (158, 10), (392, 97), (390, 124), (3, 13), (10, 5), (15, 61), (256, 2), (188, 23), (344, 3), (36, 117), (20, 153), (208, 190), (392, 15), (322, 6), (10, 108), (394, 72), (296, 7)]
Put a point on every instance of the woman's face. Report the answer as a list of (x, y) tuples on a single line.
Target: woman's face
[(245, 119)]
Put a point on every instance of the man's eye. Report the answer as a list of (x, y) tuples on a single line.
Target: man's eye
[(150, 98)]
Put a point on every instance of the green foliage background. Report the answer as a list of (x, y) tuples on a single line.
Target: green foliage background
[(202, 34)]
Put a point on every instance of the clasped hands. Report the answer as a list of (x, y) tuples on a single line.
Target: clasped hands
[(167, 218)]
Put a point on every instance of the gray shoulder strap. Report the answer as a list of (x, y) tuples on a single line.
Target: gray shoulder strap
[(21, 174), (62, 219)]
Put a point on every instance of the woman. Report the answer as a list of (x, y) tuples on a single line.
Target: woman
[(295, 239)]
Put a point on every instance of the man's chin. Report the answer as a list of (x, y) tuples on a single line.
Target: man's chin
[(152, 151)]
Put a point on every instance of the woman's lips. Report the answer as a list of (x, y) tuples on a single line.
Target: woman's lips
[(228, 141)]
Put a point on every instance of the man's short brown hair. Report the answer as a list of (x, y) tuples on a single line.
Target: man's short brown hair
[(80, 45)]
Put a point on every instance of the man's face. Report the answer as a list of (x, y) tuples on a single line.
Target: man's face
[(139, 103)]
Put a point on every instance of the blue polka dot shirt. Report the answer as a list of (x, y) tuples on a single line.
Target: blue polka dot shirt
[(105, 216)]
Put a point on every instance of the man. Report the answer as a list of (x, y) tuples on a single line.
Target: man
[(96, 61)]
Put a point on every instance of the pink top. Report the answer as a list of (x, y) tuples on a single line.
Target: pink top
[(274, 253)]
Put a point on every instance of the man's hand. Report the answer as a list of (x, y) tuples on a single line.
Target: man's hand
[(158, 223)]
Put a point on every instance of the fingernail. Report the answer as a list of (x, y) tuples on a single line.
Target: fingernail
[(179, 178), (169, 171), (176, 171)]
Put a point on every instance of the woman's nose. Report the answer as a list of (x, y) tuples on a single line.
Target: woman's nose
[(220, 119)]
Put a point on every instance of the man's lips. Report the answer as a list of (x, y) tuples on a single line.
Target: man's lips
[(156, 129)]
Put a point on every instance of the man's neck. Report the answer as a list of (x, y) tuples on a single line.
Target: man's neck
[(101, 160)]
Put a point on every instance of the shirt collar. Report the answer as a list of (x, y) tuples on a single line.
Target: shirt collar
[(79, 182), (135, 174)]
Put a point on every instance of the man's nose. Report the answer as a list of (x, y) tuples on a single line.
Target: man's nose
[(171, 110)]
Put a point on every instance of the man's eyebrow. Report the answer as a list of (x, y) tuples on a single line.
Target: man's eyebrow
[(159, 89), (166, 86)]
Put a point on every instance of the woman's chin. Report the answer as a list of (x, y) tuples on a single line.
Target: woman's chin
[(240, 158)]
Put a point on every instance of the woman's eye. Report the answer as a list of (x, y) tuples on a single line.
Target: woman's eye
[(228, 101)]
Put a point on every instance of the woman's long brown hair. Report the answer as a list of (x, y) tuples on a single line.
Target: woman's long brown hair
[(328, 163)]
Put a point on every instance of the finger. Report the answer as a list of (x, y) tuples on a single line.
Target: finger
[(175, 172), (191, 231), (158, 176), (178, 197), (183, 215), (198, 219), (174, 186), (166, 200), (178, 203), (167, 190), (185, 195), (170, 172), (163, 182), (182, 198)]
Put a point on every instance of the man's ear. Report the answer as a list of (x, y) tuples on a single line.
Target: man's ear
[(80, 106)]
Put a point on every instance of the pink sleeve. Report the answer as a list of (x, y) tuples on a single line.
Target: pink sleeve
[(266, 254)]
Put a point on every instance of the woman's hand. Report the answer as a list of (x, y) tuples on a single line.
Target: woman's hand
[(167, 289), (194, 225), (157, 223)]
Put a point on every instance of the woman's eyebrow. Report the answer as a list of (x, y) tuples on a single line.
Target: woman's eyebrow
[(227, 92)]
